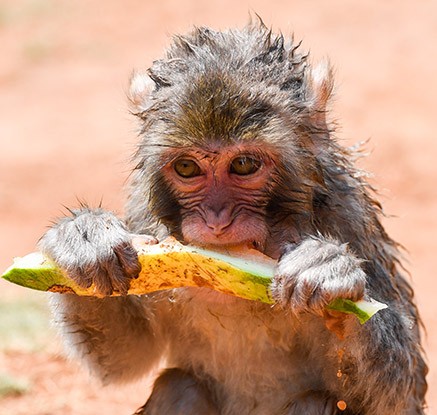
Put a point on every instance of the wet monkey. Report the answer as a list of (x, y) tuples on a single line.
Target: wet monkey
[(235, 149)]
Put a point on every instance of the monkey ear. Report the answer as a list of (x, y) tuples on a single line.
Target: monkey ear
[(321, 84), (141, 85)]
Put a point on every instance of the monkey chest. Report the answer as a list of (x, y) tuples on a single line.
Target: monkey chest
[(244, 346)]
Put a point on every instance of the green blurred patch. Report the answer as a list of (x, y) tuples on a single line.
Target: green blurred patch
[(37, 50), (4, 15), (12, 386), (25, 323), (24, 326)]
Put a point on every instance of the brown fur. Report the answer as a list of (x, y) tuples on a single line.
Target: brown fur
[(249, 87)]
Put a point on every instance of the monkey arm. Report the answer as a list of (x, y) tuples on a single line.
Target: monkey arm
[(390, 346), (316, 271), (379, 358), (117, 338), (384, 349)]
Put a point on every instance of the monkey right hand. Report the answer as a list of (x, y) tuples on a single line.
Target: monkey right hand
[(93, 246), (316, 271)]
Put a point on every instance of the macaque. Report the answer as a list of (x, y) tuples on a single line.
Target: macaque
[(236, 150)]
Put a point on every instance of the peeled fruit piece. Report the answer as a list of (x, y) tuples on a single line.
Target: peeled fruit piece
[(165, 265), (244, 273)]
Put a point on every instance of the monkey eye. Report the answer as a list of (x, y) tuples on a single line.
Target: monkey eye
[(187, 168), (244, 165)]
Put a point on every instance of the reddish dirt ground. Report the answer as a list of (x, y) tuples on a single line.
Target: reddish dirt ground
[(66, 133)]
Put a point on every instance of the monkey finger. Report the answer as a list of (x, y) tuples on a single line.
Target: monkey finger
[(317, 300), (282, 289), (351, 286), (81, 276), (357, 286), (115, 274), (100, 278), (301, 295), (128, 259)]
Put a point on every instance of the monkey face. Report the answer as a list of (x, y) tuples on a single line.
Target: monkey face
[(222, 194)]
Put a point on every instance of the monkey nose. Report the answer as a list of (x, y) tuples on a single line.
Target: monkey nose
[(218, 221), (217, 228)]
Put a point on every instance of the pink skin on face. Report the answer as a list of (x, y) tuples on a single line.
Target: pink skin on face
[(221, 194)]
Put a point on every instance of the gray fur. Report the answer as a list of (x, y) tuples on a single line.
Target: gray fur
[(251, 358), (307, 275)]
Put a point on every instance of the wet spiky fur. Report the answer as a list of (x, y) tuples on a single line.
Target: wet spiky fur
[(252, 85)]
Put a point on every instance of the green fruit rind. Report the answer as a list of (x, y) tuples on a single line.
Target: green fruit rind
[(167, 265), (38, 272), (363, 309), (187, 267)]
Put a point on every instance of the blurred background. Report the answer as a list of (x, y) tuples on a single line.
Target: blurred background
[(65, 133)]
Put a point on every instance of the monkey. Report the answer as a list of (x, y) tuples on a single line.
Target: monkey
[(236, 149)]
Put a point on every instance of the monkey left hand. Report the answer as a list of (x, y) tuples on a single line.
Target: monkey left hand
[(315, 272)]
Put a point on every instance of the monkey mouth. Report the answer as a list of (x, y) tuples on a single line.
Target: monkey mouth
[(225, 242), (240, 234), (232, 244)]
